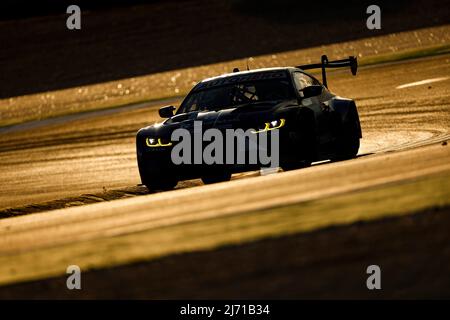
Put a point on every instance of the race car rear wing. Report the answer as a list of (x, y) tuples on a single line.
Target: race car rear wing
[(351, 62)]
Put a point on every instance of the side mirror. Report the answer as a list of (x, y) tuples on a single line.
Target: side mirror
[(311, 91), (166, 112)]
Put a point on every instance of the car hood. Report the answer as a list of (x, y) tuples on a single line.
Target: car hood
[(244, 116)]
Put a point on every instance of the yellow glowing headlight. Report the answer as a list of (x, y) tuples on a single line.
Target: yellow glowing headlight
[(272, 125), (153, 142)]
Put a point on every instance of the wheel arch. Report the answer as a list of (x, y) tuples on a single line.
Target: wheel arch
[(348, 113)]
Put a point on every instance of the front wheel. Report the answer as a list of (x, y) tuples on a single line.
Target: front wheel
[(158, 182), (216, 177), (288, 166), (301, 151)]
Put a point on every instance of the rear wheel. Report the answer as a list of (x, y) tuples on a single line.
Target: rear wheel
[(216, 177), (347, 148), (347, 143)]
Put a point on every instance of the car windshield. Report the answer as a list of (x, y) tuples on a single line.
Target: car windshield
[(217, 98)]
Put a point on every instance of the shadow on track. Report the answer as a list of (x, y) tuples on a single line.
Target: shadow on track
[(40, 54)]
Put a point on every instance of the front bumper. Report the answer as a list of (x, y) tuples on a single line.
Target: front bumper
[(157, 161)]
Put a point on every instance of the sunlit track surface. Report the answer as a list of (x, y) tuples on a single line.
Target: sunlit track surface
[(41, 245), (91, 155), (177, 207), (403, 130)]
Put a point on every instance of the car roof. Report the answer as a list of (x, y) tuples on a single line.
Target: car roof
[(247, 72), (241, 76)]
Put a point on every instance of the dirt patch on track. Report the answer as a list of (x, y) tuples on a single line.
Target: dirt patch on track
[(74, 201), (106, 195)]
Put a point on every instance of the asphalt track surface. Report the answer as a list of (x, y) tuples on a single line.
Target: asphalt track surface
[(88, 153), (405, 115)]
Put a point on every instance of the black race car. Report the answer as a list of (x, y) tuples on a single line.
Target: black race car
[(311, 123)]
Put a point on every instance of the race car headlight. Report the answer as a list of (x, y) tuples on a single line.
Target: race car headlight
[(275, 124), (272, 125), (157, 142)]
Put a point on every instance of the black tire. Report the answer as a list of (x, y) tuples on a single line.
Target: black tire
[(160, 183), (302, 152), (288, 166), (216, 177), (154, 180), (347, 148), (347, 143)]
